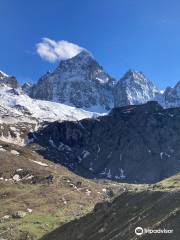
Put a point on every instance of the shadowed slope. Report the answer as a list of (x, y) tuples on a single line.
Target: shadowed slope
[(158, 207)]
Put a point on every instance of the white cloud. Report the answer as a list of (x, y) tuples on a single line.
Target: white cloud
[(53, 51)]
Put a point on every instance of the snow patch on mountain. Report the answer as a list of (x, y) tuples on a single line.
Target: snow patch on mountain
[(13, 102)]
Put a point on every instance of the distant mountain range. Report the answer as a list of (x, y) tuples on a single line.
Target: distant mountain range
[(83, 83)]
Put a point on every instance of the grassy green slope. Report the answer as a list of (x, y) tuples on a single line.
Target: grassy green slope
[(157, 206)]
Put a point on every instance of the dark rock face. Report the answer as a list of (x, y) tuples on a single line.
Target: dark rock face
[(137, 143), (79, 81), (9, 81)]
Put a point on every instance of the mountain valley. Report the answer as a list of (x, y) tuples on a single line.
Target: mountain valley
[(85, 156)]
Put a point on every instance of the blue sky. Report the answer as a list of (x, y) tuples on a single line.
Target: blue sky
[(121, 34)]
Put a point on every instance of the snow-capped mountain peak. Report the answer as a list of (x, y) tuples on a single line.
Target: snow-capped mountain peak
[(79, 81), (134, 88), (2, 74), (83, 56), (135, 76), (171, 96), (82, 67)]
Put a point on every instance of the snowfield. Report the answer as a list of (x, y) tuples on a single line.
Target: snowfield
[(17, 106)]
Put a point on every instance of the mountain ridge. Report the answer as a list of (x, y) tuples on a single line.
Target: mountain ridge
[(82, 82)]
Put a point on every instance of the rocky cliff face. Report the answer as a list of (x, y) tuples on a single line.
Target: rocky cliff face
[(132, 144), (26, 87), (80, 82), (133, 88), (10, 81)]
